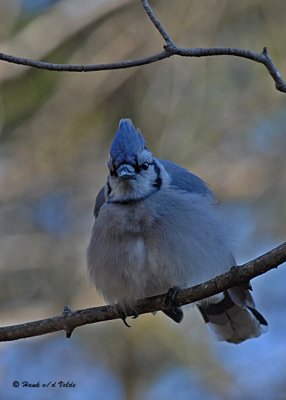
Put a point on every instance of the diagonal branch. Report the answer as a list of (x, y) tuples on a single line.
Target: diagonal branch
[(157, 23), (69, 320)]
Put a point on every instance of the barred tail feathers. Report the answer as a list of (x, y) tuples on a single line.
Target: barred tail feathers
[(235, 318)]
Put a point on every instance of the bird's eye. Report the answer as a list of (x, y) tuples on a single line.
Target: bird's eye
[(145, 166)]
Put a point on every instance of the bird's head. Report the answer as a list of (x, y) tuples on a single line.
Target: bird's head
[(134, 172)]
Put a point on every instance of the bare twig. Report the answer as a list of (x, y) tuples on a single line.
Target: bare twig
[(170, 49), (157, 23), (261, 58), (69, 320), (84, 67)]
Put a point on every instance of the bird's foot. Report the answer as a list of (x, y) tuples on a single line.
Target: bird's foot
[(135, 315), (122, 315), (172, 311), (66, 313)]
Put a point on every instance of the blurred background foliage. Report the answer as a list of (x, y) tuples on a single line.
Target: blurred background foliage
[(221, 117)]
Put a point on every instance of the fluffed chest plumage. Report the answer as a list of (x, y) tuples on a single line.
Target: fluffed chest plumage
[(144, 248), (118, 252), (132, 253)]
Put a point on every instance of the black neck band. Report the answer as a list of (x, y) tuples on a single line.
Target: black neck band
[(130, 201)]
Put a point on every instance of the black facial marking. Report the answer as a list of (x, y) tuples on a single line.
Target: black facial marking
[(131, 201), (158, 181), (138, 168), (108, 189), (113, 172)]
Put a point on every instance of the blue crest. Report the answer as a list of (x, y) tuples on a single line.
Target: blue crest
[(127, 143)]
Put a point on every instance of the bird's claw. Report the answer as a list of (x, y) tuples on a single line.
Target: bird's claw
[(172, 310), (171, 296), (123, 317), (136, 315), (125, 322)]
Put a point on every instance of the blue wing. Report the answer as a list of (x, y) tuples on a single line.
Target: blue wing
[(99, 201), (186, 180)]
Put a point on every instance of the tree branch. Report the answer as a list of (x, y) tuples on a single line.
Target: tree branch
[(261, 58), (69, 320), (85, 67), (157, 23), (170, 49)]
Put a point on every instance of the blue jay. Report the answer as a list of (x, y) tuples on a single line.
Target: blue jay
[(157, 227)]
